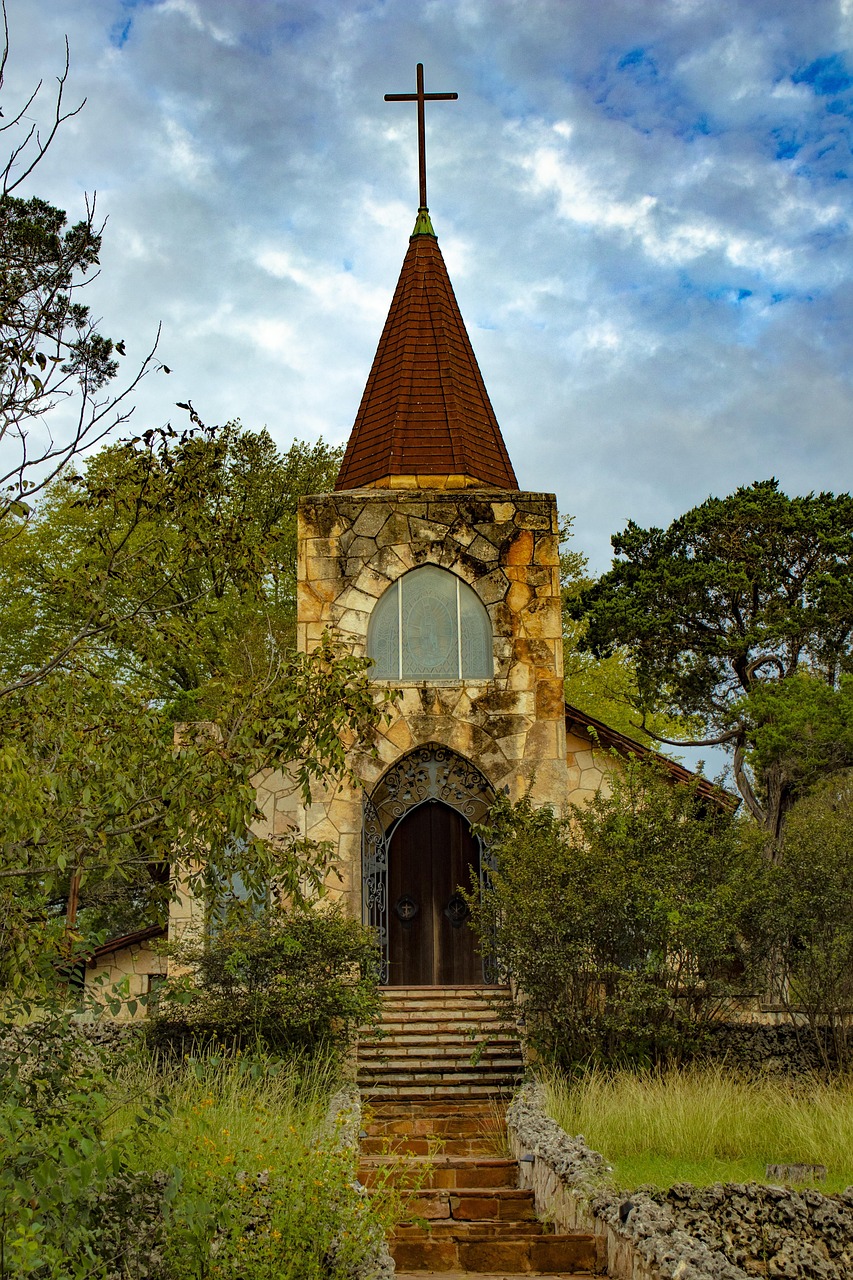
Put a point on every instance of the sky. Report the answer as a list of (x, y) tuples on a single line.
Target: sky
[(644, 206)]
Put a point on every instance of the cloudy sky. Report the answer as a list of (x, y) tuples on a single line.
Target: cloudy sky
[(644, 206)]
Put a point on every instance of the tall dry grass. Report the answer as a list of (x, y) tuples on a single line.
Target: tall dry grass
[(706, 1124), (261, 1187)]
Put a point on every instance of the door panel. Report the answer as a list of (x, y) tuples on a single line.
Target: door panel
[(431, 854)]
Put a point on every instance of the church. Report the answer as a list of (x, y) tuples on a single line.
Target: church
[(431, 560)]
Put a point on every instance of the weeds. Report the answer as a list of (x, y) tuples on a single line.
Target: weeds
[(706, 1124)]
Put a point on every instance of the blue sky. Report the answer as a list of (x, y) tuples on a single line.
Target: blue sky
[(645, 209)]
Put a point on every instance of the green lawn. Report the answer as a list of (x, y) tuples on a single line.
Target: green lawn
[(706, 1125)]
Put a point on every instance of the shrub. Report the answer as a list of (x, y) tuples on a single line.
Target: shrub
[(629, 925), (299, 981), (265, 1188), (71, 1205)]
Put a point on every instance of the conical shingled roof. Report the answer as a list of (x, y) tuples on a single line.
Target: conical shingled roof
[(425, 411)]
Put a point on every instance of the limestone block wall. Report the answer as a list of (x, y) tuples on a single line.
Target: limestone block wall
[(353, 545), (589, 767), (136, 963)]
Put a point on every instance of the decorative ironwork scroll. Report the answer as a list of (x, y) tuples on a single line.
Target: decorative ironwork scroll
[(430, 772), (374, 880)]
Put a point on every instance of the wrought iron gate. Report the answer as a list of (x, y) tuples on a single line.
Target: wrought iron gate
[(430, 772)]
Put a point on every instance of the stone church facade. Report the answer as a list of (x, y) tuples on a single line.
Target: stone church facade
[(429, 559)]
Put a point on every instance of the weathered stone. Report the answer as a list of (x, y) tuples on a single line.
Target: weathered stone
[(394, 531), (370, 519), (480, 549), (520, 550), (426, 530)]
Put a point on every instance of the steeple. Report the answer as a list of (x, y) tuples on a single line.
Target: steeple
[(425, 419)]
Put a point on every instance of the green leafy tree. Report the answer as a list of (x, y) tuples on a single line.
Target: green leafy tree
[(94, 787), (158, 588), (629, 925), (602, 687), (814, 916), (720, 612), (170, 557)]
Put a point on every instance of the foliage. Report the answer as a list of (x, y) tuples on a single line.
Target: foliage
[(170, 559), (93, 785), (706, 1124), (159, 586), (301, 980), (738, 592), (72, 1206), (814, 897), (115, 1164), (602, 687), (265, 1187), (628, 925)]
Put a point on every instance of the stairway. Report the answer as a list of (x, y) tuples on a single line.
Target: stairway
[(467, 1216), (425, 1042)]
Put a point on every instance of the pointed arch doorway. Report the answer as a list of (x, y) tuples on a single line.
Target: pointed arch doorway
[(418, 850)]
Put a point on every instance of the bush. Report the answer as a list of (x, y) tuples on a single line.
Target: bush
[(71, 1205), (266, 1190), (629, 925), (299, 981)]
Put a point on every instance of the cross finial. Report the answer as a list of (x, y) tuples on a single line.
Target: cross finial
[(420, 98)]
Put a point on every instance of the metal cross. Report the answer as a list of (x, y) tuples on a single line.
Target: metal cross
[(420, 98)]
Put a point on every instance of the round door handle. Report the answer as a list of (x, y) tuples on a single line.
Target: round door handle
[(405, 909), (457, 910)]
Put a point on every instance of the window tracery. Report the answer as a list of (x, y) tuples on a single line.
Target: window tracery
[(430, 625)]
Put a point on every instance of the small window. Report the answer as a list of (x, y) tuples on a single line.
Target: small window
[(430, 625)]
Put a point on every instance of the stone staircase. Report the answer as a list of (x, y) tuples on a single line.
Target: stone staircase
[(426, 1040), (466, 1215)]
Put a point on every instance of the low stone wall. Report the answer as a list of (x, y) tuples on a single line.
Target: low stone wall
[(767, 1048), (343, 1124), (722, 1232)]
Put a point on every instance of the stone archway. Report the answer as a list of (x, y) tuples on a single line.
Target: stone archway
[(421, 936)]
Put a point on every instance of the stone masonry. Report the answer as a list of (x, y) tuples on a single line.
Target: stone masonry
[(352, 546)]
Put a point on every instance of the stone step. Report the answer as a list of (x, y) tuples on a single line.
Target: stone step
[(404, 1085), (413, 1001), (450, 1230), (498, 1091), (488, 1275), (419, 1078), (440, 1172), (424, 1146), (478, 1124), (547, 1254), (472, 1204), (442, 1065), (435, 1108), (429, 1031), (439, 993), (425, 1024), (441, 1058)]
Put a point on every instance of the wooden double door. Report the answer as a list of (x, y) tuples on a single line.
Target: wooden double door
[(430, 941)]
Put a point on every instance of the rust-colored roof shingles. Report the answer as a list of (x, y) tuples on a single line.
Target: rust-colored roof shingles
[(425, 410)]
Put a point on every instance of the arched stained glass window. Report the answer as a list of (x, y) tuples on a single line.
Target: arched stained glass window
[(430, 625)]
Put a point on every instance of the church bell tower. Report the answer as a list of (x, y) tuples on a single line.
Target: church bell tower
[(431, 560)]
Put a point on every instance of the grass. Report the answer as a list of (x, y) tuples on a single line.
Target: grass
[(705, 1125), (252, 1178)]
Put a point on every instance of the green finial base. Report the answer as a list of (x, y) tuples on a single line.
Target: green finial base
[(423, 225)]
